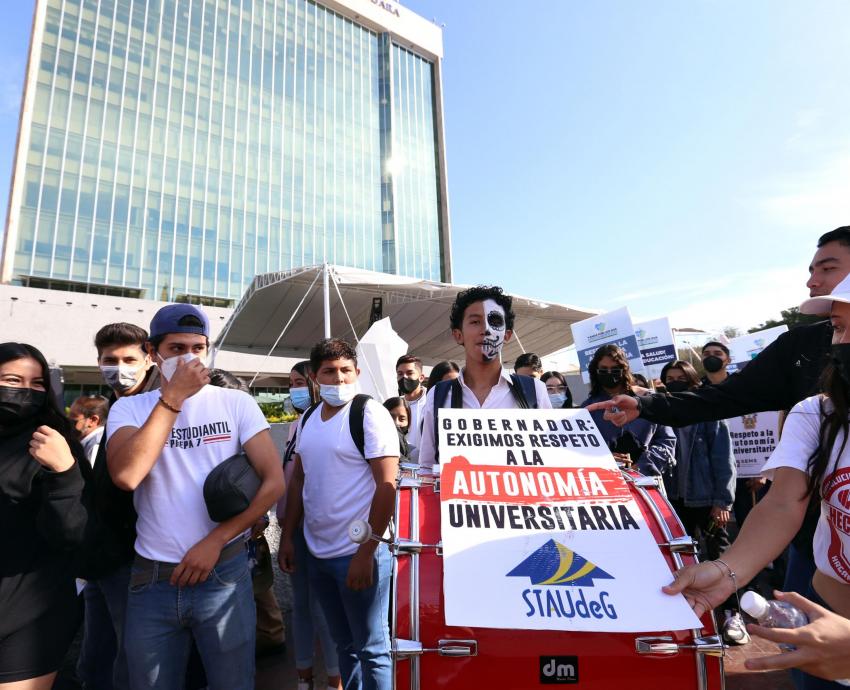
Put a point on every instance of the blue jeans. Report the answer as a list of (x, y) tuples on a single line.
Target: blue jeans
[(358, 620), (308, 620), (102, 664), (219, 614)]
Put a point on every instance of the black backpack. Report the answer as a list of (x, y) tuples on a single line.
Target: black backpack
[(522, 388), (355, 420)]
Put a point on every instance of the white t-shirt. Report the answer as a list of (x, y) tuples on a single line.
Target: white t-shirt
[(338, 481), (212, 426), (414, 433), (500, 397), (799, 440)]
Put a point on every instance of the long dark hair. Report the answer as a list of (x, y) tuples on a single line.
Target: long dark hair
[(620, 359), (50, 415), (303, 367), (440, 370), (833, 423)]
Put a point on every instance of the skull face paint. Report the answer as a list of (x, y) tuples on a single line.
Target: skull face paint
[(494, 333)]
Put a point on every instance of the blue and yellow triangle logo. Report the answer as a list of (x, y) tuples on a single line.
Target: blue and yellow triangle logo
[(555, 564)]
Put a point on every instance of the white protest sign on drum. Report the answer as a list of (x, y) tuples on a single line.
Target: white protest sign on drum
[(540, 530), (754, 438), (656, 343), (747, 347), (613, 327)]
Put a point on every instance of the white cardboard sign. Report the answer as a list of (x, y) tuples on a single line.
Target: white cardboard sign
[(614, 327), (540, 530), (747, 347), (754, 438), (656, 343)]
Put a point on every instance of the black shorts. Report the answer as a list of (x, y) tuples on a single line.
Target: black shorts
[(39, 647)]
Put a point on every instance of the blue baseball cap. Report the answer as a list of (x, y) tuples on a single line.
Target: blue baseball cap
[(172, 319)]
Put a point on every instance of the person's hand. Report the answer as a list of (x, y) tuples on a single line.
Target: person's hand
[(187, 380), (823, 646), (259, 527), (704, 585), (627, 409), (360, 570), (286, 555), (624, 458), (198, 563), (720, 516), (50, 449)]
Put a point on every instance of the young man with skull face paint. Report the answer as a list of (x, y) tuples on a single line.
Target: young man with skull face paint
[(482, 322)]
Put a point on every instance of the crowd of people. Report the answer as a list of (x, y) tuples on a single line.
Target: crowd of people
[(114, 498)]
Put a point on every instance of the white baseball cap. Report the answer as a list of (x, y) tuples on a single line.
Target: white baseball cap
[(823, 305)]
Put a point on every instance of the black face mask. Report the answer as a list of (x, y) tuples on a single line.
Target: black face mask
[(712, 364), (840, 356), (406, 386), (609, 380), (19, 404), (676, 386)]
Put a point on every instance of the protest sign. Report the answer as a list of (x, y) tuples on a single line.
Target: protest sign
[(614, 327), (540, 531), (754, 438), (747, 347), (656, 343)]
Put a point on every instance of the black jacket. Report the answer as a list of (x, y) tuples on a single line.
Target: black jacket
[(43, 520), (784, 373), (113, 538)]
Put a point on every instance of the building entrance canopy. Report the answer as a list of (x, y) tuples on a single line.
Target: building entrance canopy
[(284, 314)]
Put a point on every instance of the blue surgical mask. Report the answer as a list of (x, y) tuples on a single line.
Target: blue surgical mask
[(337, 396), (557, 400), (300, 398)]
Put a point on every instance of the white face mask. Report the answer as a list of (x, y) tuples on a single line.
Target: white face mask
[(121, 377), (494, 335), (337, 396), (167, 367)]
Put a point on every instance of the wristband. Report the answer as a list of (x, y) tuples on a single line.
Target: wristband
[(167, 406)]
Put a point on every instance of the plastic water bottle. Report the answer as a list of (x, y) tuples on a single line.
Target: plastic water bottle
[(773, 613), (777, 614)]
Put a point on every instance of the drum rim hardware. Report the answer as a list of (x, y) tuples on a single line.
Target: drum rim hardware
[(664, 645), (404, 649)]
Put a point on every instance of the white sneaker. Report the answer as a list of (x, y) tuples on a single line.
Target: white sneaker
[(734, 631)]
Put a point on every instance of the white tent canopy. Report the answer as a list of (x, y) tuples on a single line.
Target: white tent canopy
[(284, 314)]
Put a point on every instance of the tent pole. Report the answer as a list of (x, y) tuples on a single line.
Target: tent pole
[(327, 300)]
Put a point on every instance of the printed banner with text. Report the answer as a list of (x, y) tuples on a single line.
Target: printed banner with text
[(540, 530), (747, 347), (754, 438), (614, 327), (657, 346)]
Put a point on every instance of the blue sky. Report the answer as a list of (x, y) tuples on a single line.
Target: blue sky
[(680, 158)]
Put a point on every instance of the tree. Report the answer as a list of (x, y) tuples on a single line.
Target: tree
[(791, 317), (731, 331)]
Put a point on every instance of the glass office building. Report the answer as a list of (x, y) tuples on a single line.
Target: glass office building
[(172, 149)]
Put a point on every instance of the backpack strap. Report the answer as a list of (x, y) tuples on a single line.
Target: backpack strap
[(310, 410), (524, 391), (355, 421), (441, 393)]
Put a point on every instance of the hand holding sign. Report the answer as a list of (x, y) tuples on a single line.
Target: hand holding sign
[(704, 585)]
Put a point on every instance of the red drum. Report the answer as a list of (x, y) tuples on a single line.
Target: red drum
[(429, 654)]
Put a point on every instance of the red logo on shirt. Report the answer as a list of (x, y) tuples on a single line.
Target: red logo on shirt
[(837, 487)]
